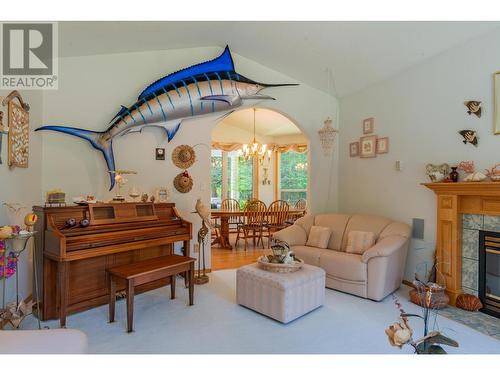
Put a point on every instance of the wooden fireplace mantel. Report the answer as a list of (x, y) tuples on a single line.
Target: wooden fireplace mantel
[(454, 200)]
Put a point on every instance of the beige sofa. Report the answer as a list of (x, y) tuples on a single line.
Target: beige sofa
[(374, 274)]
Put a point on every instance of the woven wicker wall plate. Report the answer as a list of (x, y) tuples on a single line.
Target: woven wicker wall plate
[(183, 156), (183, 182)]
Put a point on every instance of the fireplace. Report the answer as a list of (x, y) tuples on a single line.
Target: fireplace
[(489, 272)]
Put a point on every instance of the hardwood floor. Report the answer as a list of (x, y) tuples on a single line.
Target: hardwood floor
[(225, 259)]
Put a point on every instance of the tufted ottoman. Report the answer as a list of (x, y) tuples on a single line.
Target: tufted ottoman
[(281, 296)]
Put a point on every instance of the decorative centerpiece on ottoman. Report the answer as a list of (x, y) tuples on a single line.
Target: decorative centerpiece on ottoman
[(282, 259), (283, 296)]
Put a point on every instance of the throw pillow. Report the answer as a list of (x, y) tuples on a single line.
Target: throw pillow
[(358, 242), (319, 237)]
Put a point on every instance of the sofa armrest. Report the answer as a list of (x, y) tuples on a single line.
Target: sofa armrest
[(385, 247), (293, 235)]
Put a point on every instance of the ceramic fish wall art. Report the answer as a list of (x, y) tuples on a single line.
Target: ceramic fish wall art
[(473, 106), (202, 89), (470, 136)]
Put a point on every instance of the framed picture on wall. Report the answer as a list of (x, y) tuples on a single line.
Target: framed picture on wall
[(368, 125), (383, 145), (368, 146), (354, 149)]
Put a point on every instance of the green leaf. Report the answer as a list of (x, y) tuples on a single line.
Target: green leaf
[(441, 339), (429, 349)]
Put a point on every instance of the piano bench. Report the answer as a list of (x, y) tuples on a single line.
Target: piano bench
[(135, 274)]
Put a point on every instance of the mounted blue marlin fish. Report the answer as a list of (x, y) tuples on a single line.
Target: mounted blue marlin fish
[(210, 87)]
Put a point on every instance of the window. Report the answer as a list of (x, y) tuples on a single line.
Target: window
[(231, 177), (293, 176), (240, 177), (216, 179)]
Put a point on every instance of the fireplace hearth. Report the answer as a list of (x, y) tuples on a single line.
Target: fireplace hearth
[(489, 272)]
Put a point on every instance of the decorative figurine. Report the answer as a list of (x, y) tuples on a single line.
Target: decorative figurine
[(470, 136), (144, 197), (473, 106), (437, 173), (30, 220), (120, 182), (454, 174), (472, 175), (494, 173), (206, 223), (209, 87)]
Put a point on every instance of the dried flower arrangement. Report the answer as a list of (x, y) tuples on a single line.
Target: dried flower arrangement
[(400, 333), (494, 172), (472, 175)]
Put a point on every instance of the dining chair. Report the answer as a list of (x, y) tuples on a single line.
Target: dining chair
[(254, 215), (301, 204), (230, 204), (277, 214)]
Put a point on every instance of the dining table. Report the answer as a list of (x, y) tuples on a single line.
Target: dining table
[(225, 215)]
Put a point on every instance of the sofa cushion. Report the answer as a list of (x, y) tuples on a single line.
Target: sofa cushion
[(337, 223), (318, 237), (309, 255), (358, 242), (365, 223), (343, 265)]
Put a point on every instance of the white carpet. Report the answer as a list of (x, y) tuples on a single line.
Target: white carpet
[(216, 324)]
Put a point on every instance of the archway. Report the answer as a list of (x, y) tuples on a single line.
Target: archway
[(279, 173)]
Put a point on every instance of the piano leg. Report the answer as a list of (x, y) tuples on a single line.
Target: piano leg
[(63, 281), (112, 298)]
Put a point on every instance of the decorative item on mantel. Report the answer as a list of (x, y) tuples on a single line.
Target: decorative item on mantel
[(454, 174), (472, 175), (437, 173), (494, 173), (473, 107), (469, 136), (327, 136)]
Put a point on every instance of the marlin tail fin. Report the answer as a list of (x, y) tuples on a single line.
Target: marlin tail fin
[(106, 147)]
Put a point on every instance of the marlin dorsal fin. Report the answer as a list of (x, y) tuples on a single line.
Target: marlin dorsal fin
[(120, 113), (222, 63)]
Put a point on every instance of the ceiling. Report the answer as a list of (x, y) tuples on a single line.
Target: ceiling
[(268, 123), (358, 54)]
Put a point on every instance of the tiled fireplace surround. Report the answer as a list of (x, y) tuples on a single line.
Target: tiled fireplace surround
[(471, 225)]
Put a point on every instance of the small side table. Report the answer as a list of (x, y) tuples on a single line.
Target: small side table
[(16, 244)]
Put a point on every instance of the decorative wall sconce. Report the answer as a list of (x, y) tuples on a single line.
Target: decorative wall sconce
[(327, 137)]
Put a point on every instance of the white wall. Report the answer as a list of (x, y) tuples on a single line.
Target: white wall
[(90, 92), (421, 110), (22, 185)]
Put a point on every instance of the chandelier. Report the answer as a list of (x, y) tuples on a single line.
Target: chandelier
[(255, 149)]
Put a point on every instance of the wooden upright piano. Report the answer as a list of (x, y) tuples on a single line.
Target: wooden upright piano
[(74, 258)]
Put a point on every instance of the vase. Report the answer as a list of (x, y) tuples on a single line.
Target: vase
[(433, 297), (454, 174)]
